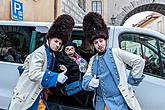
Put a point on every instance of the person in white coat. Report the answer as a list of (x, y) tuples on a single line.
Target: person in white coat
[(106, 73), (38, 75)]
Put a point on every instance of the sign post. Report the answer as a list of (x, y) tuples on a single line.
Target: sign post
[(16, 10)]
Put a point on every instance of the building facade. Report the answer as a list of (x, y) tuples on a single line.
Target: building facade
[(75, 8), (154, 21), (44, 11), (100, 6), (33, 10)]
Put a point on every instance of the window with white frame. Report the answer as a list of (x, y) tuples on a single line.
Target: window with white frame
[(97, 6)]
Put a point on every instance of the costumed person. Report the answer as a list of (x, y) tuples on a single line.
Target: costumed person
[(73, 62), (106, 73), (38, 75), (76, 67)]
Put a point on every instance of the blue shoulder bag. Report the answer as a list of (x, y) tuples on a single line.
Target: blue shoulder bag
[(74, 87)]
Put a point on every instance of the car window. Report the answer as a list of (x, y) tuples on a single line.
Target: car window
[(77, 42), (148, 47), (84, 48), (40, 39), (14, 42)]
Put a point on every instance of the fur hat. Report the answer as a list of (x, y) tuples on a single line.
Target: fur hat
[(69, 43), (61, 28), (94, 26)]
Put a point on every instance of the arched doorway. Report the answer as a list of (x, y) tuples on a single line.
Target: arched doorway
[(124, 15)]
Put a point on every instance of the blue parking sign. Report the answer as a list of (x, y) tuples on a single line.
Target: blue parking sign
[(16, 10)]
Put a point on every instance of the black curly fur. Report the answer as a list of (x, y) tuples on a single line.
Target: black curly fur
[(61, 28), (94, 26)]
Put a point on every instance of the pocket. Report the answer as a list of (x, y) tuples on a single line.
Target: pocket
[(99, 103), (119, 99), (99, 99), (21, 97)]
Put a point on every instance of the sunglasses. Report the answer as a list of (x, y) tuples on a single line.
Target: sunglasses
[(69, 48)]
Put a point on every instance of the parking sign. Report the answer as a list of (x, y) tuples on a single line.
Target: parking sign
[(16, 10)]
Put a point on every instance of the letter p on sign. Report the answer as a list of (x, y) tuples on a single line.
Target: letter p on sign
[(16, 10)]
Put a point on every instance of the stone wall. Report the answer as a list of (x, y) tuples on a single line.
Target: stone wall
[(71, 7)]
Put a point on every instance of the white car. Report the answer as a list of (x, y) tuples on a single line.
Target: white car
[(150, 45)]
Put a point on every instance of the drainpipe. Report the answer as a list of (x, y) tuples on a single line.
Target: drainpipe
[(55, 8)]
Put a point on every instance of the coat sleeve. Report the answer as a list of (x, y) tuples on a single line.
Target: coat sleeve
[(38, 73), (88, 76), (136, 62), (49, 79)]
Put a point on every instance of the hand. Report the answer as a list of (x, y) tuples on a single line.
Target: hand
[(94, 82), (62, 77), (62, 67)]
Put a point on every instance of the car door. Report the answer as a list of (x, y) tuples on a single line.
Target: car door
[(16, 42), (12, 40), (151, 46)]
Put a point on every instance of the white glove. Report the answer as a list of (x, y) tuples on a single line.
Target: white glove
[(94, 83), (62, 77)]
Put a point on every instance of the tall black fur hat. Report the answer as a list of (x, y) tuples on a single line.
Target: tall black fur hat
[(94, 26), (61, 28)]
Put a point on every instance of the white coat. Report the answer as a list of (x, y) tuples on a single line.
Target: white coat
[(121, 58), (29, 85)]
